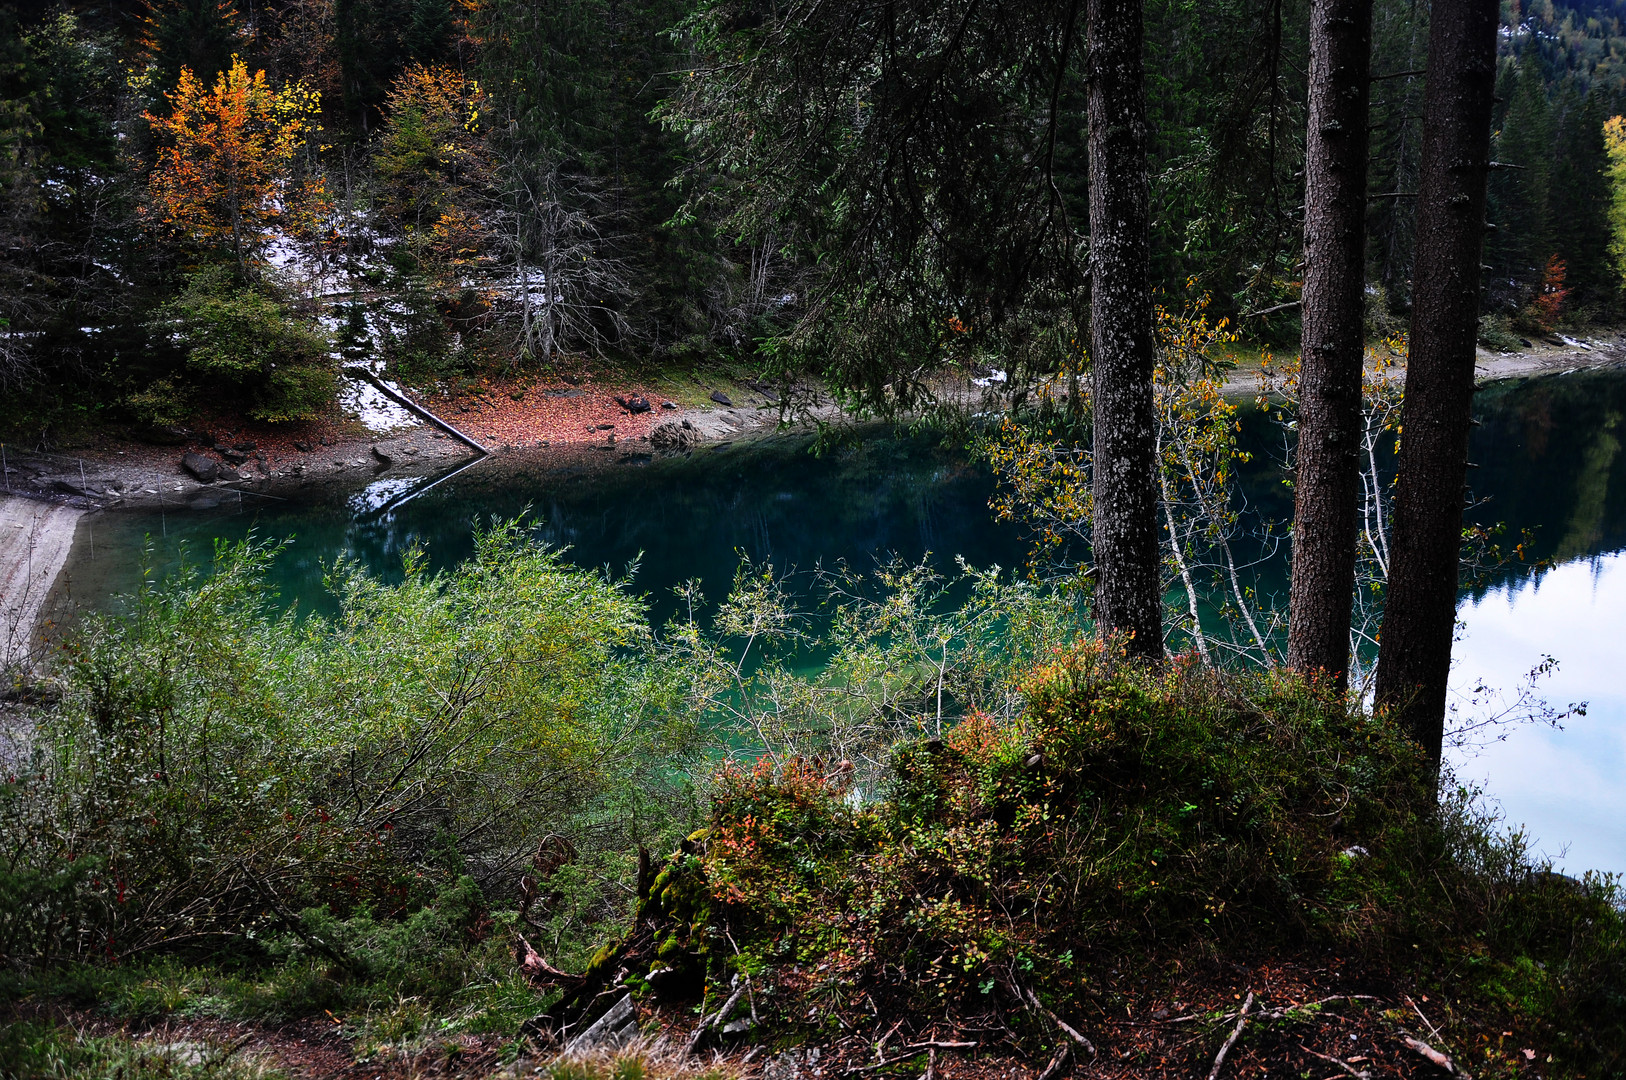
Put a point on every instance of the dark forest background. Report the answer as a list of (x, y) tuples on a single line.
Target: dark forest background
[(505, 183)]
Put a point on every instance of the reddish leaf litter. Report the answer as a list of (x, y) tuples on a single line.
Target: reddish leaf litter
[(531, 412), (569, 410)]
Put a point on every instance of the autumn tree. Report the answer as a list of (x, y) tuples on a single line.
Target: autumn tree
[(226, 168), (1614, 138), (433, 166)]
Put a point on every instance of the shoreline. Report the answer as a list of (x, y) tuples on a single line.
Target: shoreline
[(558, 413), (1549, 358), (35, 540)]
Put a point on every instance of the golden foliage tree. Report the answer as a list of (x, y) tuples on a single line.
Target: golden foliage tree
[(226, 163), (1614, 137), (433, 160)]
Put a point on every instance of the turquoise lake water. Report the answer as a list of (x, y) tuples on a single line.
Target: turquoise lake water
[(1545, 453)]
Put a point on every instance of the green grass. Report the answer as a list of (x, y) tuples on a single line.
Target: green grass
[(39, 1050)]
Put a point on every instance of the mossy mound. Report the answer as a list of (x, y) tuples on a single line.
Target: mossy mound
[(1131, 823)]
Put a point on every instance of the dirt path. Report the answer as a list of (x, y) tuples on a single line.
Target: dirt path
[(34, 541)]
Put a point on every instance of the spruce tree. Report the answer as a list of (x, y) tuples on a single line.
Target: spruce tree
[(1580, 202), (1325, 490), (1414, 662)]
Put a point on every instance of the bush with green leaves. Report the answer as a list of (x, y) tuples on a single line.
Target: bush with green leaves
[(211, 771), (1128, 822), (242, 337)]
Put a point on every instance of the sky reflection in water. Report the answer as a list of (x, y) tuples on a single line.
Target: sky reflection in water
[(1564, 787)]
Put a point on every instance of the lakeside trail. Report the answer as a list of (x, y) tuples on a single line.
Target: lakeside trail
[(35, 538)]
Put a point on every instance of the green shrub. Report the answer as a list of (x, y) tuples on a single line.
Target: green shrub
[(242, 337), (214, 776), (1128, 818), (1496, 332)]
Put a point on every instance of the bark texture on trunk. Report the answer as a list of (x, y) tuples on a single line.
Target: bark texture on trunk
[(1129, 600), (1326, 488), (1128, 594), (1420, 613)]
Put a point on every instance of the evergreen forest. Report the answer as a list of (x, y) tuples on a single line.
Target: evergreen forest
[(1199, 292)]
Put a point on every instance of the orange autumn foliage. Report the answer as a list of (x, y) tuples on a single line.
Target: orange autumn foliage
[(1551, 294), (225, 168)]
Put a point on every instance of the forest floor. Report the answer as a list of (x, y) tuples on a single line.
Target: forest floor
[(1315, 1017), (527, 413)]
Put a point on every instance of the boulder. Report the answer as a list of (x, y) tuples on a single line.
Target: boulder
[(303, 447), (722, 399), (383, 458), (672, 436), (235, 457), (204, 470), (247, 446), (668, 404)]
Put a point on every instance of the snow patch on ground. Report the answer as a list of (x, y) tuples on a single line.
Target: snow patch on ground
[(376, 412)]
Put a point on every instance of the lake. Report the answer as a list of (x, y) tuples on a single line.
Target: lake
[(1544, 452)]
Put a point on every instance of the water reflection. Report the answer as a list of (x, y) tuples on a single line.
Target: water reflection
[(1564, 786), (1547, 453), (678, 519)]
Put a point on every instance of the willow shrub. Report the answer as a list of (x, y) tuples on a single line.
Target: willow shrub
[(1129, 818), (213, 774)]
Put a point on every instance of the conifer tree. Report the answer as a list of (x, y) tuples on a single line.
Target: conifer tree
[(1523, 239), (1580, 201), (1414, 663), (1325, 494)]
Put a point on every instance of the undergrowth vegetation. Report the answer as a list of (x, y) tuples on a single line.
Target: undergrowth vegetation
[(214, 776), (967, 812), (1129, 824)]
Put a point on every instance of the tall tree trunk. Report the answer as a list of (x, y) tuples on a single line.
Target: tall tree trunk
[(1325, 491), (1415, 658), (1128, 600)]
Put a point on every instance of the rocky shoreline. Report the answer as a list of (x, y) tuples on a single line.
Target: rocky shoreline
[(176, 466)]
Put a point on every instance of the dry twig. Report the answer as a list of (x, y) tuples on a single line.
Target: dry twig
[(1033, 999), (1236, 1033), (1442, 1060), (707, 1023), (1344, 1065)]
